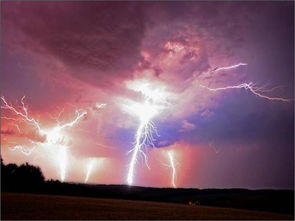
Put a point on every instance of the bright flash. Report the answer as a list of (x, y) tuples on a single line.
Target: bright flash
[(172, 166), (154, 98), (89, 169), (92, 164), (53, 136), (63, 161)]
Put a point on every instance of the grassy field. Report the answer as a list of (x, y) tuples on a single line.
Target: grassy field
[(33, 206)]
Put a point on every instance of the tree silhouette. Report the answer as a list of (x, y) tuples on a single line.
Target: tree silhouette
[(21, 178)]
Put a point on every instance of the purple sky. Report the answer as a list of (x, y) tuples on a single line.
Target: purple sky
[(69, 55)]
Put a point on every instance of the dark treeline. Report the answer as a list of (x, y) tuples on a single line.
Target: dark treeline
[(28, 178), (21, 178)]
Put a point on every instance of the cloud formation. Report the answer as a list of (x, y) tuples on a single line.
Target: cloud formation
[(67, 56)]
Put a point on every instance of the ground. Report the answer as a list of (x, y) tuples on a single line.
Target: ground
[(33, 206)]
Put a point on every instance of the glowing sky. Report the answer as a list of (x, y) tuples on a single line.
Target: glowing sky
[(89, 56)]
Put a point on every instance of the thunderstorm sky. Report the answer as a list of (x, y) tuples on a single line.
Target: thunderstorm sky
[(68, 56)]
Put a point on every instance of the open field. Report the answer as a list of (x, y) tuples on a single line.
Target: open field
[(33, 206)]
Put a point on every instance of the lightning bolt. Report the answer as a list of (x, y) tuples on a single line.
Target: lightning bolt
[(25, 151), (228, 67), (17, 127), (89, 169), (143, 137), (24, 115), (146, 111), (172, 166), (99, 105), (52, 135), (63, 161), (258, 91), (252, 88), (194, 77)]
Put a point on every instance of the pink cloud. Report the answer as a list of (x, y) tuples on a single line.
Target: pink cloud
[(186, 126)]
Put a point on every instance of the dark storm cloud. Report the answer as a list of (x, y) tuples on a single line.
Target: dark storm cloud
[(100, 43), (231, 121), (205, 20), (96, 40)]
